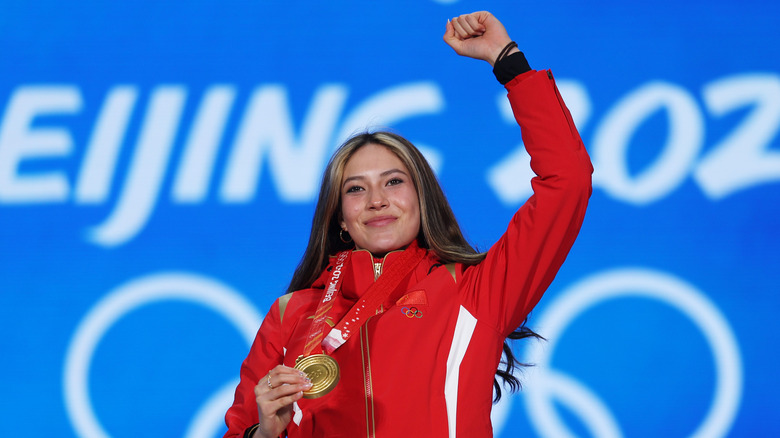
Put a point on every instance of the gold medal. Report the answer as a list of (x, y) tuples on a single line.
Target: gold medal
[(322, 370)]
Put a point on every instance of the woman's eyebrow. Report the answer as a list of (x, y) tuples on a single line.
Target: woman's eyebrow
[(383, 174), (388, 172), (353, 178)]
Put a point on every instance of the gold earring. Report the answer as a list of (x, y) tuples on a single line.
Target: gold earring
[(341, 236)]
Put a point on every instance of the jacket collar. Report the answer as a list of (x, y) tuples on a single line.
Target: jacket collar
[(361, 273)]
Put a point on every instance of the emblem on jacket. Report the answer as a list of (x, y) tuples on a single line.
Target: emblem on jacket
[(412, 312)]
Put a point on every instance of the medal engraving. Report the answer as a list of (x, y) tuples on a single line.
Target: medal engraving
[(322, 370)]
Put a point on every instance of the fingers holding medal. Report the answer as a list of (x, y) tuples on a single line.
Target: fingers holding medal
[(275, 394), (280, 387)]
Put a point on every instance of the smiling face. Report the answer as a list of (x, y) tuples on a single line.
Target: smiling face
[(379, 204)]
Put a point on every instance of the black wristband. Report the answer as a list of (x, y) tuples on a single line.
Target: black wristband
[(510, 66)]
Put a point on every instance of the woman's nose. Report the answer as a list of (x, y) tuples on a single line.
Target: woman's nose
[(378, 199)]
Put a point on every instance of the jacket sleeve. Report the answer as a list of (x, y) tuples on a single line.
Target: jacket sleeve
[(517, 270), (266, 352)]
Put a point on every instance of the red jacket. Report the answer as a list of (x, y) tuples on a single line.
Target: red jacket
[(431, 374)]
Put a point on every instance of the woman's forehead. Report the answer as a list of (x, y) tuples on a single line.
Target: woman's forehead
[(372, 159)]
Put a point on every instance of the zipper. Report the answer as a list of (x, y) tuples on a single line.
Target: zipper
[(365, 353), (566, 114), (368, 386)]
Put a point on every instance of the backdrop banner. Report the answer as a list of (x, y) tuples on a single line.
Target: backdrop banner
[(160, 161)]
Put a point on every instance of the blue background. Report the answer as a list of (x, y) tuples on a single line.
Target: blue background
[(156, 366)]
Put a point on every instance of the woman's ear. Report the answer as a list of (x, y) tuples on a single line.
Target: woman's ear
[(341, 221)]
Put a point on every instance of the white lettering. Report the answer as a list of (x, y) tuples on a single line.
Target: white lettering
[(197, 165), (20, 141), (266, 128), (391, 106), (268, 139), (510, 178), (147, 169), (335, 275), (743, 158), (100, 160), (330, 292), (611, 141)]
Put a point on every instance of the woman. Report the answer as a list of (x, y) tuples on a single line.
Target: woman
[(397, 322)]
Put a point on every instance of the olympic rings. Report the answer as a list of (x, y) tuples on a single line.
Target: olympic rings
[(137, 293), (412, 312)]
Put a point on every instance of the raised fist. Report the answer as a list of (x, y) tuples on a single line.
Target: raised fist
[(477, 35)]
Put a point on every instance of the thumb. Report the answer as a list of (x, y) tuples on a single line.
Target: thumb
[(450, 37)]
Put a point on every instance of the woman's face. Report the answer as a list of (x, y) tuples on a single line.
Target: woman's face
[(379, 204)]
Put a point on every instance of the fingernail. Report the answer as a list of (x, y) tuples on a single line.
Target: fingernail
[(307, 385)]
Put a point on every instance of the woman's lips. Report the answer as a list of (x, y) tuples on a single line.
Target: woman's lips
[(380, 221)]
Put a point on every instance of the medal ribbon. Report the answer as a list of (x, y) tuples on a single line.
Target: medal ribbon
[(332, 288), (376, 294)]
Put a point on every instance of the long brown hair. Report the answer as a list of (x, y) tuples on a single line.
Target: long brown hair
[(439, 230)]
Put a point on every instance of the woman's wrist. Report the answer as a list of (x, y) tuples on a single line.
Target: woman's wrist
[(250, 431), (510, 66), (506, 49)]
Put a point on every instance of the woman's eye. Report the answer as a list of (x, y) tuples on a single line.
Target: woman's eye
[(394, 181), (354, 189)]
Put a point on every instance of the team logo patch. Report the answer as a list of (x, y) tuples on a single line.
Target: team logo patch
[(412, 312)]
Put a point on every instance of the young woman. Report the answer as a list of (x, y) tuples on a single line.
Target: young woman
[(393, 325)]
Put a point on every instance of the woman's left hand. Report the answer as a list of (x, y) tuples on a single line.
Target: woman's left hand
[(477, 35), (275, 394)]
